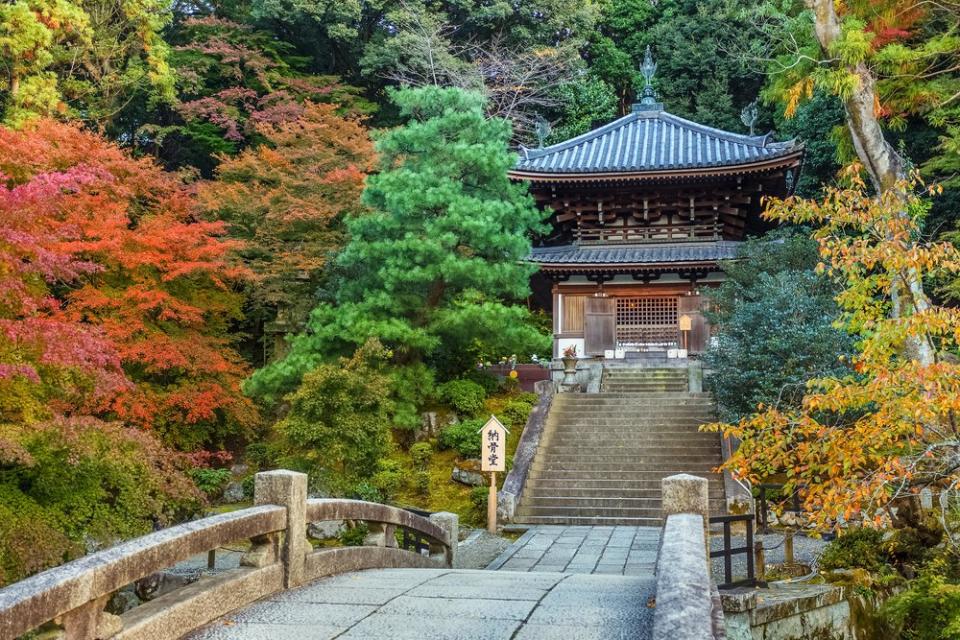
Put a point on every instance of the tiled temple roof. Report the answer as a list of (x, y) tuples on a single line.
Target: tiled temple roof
[(650, 139), (676, 252)]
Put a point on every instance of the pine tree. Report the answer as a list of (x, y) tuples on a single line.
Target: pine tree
[(432, 272)]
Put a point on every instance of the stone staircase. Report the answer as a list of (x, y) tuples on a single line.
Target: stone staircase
[(602, 455)]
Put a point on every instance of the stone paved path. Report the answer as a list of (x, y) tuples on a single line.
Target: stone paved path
[(437, 604), (628, 551)]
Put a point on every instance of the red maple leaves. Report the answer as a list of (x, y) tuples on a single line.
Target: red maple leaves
[(114, 296)]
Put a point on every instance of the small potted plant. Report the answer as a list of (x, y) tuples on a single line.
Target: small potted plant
[(570, 359)]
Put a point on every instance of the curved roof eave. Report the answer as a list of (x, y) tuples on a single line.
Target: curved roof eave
[(793, 157)]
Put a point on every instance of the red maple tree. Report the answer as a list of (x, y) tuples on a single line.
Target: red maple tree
[(107, 271)]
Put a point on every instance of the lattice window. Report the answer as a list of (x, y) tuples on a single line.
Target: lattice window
[(647, 321)]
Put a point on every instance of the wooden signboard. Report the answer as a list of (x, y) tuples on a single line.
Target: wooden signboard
[(493, 446), (686, 323), (493, 458)]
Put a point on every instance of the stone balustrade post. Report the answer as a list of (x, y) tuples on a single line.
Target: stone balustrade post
[(287, 489), (450, 523), (684, 493)]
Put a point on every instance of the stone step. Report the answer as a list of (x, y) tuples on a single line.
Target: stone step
[(576, 452), (588, 506), (678, 400), (619, 435), (643, 386), (621, 395), (647, 482), (674, 414), (597, 470), (630, 426), (668, 382), (646, 373), (581, 475), (654, 511), (588, 456), (577, 520), (601, 495)]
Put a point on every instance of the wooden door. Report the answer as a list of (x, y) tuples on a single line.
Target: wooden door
[(692, 307), (599, 325)]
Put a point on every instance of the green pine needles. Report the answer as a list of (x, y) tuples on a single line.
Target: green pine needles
[(435, 271)]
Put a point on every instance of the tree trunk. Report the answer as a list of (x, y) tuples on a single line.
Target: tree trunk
[(882, 162)]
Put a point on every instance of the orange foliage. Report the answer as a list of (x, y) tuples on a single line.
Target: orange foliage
[(287, 199), (160, 284), (858, 443)]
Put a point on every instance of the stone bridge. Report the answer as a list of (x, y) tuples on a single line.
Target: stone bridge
[(284, 588)]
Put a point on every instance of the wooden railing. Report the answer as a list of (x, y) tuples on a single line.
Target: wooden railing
[(728, 551), (73, 596), (651, 233)]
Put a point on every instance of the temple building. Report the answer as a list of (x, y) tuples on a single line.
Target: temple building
[(643, 211)]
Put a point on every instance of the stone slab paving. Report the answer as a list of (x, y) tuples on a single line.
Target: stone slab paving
[(400, 604), (630, 551)]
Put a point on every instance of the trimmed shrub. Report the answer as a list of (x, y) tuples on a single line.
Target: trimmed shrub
[(856, 548), (464, 396), (338, 426), (353, 536), (421, 482), (420, 454), (516, 412), (389, 479), (464, 437)]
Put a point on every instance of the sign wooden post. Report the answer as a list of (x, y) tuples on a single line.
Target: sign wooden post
[(686, 325), (493, 451)]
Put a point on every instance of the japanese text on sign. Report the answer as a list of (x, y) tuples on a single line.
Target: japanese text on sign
[(493, 446)]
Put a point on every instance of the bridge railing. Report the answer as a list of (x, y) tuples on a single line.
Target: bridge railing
[(73, 596), (688, 605)]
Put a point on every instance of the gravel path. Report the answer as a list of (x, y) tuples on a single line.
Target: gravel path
[(805, 551)]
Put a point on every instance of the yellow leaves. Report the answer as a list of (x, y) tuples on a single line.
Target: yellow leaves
[(798, 92)]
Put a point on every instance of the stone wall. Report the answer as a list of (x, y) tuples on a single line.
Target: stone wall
[(526, 451)]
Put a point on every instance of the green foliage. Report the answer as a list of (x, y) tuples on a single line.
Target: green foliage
[(72, 482), (387, 480), (464, 437), (421, 482), (929, 609), (411, 387), (211, 481), (56, 59), (439, 261), (465, 396), (586, 103), (696, 77), (774, 318), (819, 124), (855, 548), (516, 412), (420, 454), (479, 496), (353, 536), (488, 381), (338, 423)]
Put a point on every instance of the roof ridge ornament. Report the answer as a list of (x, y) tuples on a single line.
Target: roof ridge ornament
[(748, 116), (648, 99)]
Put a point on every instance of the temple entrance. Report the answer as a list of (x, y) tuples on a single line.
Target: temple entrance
[(647, 323), (637, 324)]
